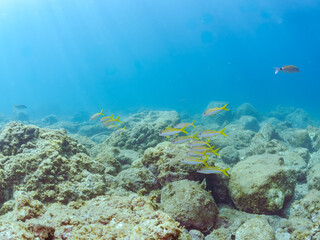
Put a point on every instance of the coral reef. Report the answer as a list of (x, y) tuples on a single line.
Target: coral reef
[(103, 217), (144, 130), (47, 163)]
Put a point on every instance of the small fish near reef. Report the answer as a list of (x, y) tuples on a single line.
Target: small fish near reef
[(181, 125), (120, 130), (103, 119), (199, 143), (184, 139), (20, 107), (213, 111), (210, 170), (172, 131), (286, 69), (212, 133), (111, 121), (195, 160), (95, 116)]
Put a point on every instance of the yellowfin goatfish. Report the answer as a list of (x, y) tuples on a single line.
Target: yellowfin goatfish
[(111, 121), (95, 116), (20, 106), (181, 125), (184, 139), (172, 131), (120, 130), (212, 133), (201, 149), (195, 154), (105, 118), (209, 170), (194, 160), (215, 110), (199, 143), (287, 69)]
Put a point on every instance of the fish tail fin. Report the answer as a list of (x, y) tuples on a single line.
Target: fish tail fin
[(224, 171), (183, 129), (111, 115), (124, 128), (207, 143), (206, 164), (224, 107), (117, 119), (222, 132), (101, 113), (195, 136), (193, 123), (277, 70), (216, 152), (204, 161)]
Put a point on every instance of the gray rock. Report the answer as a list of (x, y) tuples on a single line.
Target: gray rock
[(188, 203), (253, 228), (246, 109), (250, 123), (229, 155), (299, 118), (196, 234), (261, 184), (298, 138), (51, 119)]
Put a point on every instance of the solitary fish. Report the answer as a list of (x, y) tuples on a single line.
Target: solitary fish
[(194, 160), (172, 131), (212, 133), (95, 116), (199, 143), (20, 106), (287, 69), (215, 110), (181, 125), (184, 139), (209, 170)]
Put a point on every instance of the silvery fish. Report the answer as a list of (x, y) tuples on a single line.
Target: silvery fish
[(172, 131), (103, 119), (199, 143), (194, 160), (181, 125), (120, 130), (212, 133), (95, 116), (209, 170), (195, 154), (287, 69), (213, 111), (184, 139)]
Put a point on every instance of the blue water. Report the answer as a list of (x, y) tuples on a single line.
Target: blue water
[(60, 57)]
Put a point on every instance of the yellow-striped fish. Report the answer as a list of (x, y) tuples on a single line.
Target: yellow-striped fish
[(215, 110), (212, 133), (172, 131), (194, 160), (210, 170), (95, 116), (181, 125), (184, 139), (120, 130), (106, 118), (199, 143)]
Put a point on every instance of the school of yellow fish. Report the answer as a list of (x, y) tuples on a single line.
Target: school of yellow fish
[(199, 151), (109, 122)]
